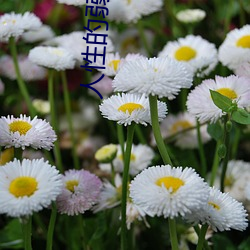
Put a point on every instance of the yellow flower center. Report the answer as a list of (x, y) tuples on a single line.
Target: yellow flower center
[(23, 186), (185, 53), (129, 1), (180, 125), (132, 157), (6, 156), (214, 205), (130, 107), (170, 182), (13, 21), (229, 181), (20, 126), (57, 52), (114, 64), (244, 42), (227, 92), (70, 185)]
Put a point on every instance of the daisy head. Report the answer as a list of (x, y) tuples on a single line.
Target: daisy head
[(28, 186), (200, 103), (169, 192), (221, 212), (51, 57), (14, 25), (80, 192), (26, 132), (156, 76), (195, 52), (191, 15), (72, 2), (128, 108), (183, 127), (141, 157), (235, 49)]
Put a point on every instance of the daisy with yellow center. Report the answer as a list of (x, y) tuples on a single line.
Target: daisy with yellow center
[(221, 212), (14, 25), (183, 127), (200, 103), (128, 108), (235, 49), (26, 132), (28, 186), (169, 192), (80, 192), (197, 53)]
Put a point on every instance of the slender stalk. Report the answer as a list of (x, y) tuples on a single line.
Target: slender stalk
[(226, 158), (236, 142), (120, 136), (205, 244), (82, 226), (66, 96), (53, 120), (127, 155), (215, 164), (143, 37), (156, 130), (27, 229), (173, 235), (52, 222), (202, 235), (203, 169), (112, 173), (21, 84), (140, 135)]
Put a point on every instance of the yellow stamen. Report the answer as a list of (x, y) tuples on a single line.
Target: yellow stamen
[(170, 182), (57, 52), (180, 125), (20, 126), (70, 185), (132, 157), (244, 42), (227, 92), (130, 107), (185, 53), (23, 186), (214, 205), (114, 64), (6, 156)]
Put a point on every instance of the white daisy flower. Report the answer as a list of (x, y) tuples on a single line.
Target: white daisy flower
[(72, 2), (200, 103), (191, 15), (169, 192), (113, 62), (243, 69), (26, 132), (141, 157), (42, 106), (14, 25), (50, 57), (75, 43), (128, 108), (156, 76), (28, 186), (42, 34), (197, 53), (110, 195), (29, 71), (174, 124), (221, 212), (132, 10), (235, 49)]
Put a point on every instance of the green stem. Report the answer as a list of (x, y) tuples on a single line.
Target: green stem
[(156, 130), (215, 164), (112, 173), (202, 235), (120, 136), (226, 158), (50, 233), (143, 37), (127, 155), (27, 229), (203, 169), (236, 142), (66, 96), (173, 235), (205, 244), (21, 84), (54, 120), (242, 14), (140, 135), (82, 226)]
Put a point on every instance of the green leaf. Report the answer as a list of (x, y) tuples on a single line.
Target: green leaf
[(241, 116), (222, 102), (215, 130)]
